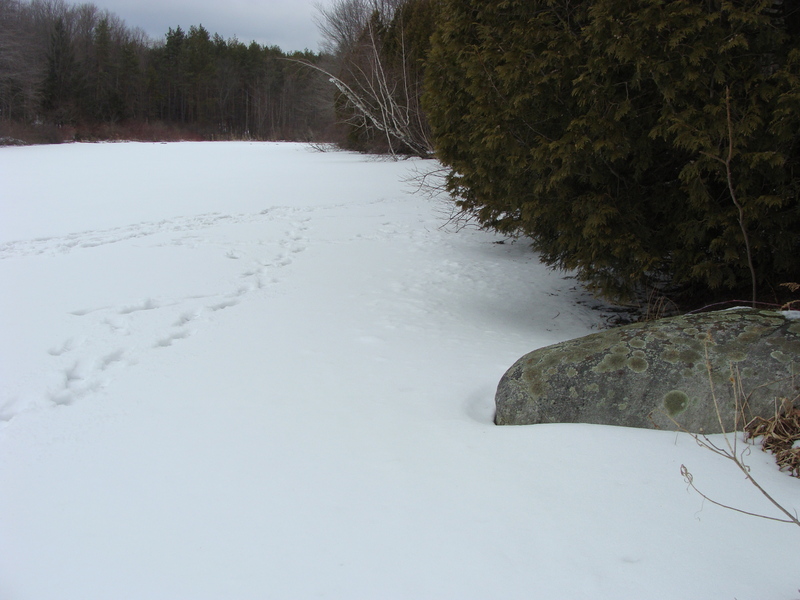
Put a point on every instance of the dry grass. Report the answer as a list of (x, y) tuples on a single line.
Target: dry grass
[(658, 306), (792, 287), (142, 131), (781, 436)]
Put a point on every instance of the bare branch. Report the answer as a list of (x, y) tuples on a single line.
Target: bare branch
[(731, 189), (731, 452), (374, 102), (689, 478)]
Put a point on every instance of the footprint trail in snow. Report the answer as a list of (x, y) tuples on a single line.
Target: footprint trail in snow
[(111, 336)]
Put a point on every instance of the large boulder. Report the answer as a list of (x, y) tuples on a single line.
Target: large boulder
[(660, 374)]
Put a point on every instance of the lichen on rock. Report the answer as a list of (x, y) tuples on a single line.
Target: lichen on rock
[(657, 374)]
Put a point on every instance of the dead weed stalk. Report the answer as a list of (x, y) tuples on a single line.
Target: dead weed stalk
[(784, 423)]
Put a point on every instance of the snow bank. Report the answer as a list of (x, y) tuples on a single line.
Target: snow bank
[(243, 370)]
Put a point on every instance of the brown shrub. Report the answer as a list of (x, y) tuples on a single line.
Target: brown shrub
[(780, 435)]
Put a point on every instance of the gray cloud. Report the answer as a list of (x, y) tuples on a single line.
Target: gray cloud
[(285, 23)]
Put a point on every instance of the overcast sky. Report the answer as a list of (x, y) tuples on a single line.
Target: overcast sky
[(285, 23)]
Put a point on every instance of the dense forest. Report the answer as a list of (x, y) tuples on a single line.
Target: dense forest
[(75, 71)]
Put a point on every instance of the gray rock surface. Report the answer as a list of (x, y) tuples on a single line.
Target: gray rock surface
[(655, 374)]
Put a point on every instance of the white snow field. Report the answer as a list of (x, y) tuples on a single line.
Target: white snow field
[(255, 371)]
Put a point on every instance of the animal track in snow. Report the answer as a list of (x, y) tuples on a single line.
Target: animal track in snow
[(87, 240), (93, 239), (75, 385), (224, 304), (116, 326), (107, 338), (63, 349), (86, 311), (148, 304), (110, 359), (167, 341), (186, 317)]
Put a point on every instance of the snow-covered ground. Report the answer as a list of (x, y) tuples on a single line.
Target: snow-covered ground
[(254, 371)]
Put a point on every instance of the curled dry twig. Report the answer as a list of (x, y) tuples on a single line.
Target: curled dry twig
[(731, 451), (689, 478)]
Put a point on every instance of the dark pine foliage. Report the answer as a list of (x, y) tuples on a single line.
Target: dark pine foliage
[(600, 130)]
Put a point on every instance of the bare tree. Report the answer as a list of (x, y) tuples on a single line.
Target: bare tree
[(343, 22), (21, 71), (376, 93)]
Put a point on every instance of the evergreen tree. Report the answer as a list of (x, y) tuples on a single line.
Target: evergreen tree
[(200, 70), (107, 104), (61, 84), (132, 82), (172, 72), (599, 129)]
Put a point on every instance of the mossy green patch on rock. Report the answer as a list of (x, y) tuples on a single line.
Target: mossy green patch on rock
[(671, 355), (610, 362), (658, 371), (675, 402), (637, 364), (735, 352), (780, 356)]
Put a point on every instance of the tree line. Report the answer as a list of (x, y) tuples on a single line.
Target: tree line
[(80, 68)]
